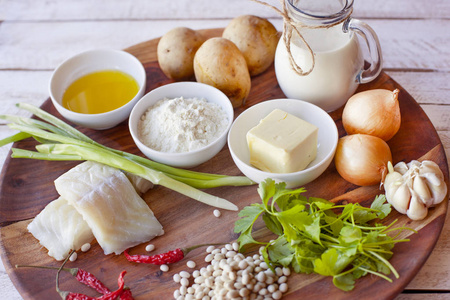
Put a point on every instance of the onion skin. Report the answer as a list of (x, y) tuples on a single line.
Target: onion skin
[(362, 159), (374, 112)]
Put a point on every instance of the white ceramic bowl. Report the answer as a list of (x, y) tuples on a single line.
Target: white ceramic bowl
[(327, 140), (187, 90), (88, 62)]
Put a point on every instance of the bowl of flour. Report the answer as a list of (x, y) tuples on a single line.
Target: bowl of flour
[(182, 124)]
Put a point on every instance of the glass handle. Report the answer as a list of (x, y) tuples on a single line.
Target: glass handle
[(369, 35)]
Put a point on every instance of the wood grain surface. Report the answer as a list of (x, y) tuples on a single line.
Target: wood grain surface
[(27, 186)]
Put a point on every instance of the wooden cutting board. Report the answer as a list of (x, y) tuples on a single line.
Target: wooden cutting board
[(27, 186)]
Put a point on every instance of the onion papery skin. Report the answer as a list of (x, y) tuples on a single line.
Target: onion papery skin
[(374, 112), (362, 159)]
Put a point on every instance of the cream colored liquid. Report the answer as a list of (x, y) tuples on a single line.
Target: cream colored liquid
[(338, 61)]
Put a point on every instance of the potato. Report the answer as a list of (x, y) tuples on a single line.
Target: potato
[(257, 39), (218, 62), (176, 50)]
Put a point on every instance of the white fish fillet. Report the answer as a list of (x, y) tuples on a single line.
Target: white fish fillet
[(118, 217), (60, 228), (141, 185)]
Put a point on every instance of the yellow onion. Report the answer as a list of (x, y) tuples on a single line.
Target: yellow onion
[(374, 112), (362, 159)]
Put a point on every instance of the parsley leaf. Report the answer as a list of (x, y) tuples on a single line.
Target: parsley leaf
[(312, 237)]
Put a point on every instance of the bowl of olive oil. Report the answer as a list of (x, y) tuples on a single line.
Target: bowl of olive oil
[(98, 88)]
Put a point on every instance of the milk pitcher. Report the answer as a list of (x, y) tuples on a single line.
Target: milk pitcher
[(319, 58)]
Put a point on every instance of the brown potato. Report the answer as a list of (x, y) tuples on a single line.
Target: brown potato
[(257, 39), (218, 62), (176, 50)]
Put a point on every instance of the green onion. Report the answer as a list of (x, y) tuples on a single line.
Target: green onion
[(195, 179), (71, 144)]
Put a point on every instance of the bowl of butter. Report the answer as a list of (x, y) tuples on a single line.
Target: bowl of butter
[(287, 140)]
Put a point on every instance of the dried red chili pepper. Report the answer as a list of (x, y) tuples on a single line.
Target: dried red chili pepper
[(109, 296), (126, 294), (77, 296), (170, 257)]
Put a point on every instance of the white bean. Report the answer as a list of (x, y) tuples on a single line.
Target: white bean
[(164, 268), (185, 281), (86, 247), (177, 278), (216, 213), (276, 295), (191, 264), (73, 257), (283, 287), (209, 257), (185, 274), (149, 247)]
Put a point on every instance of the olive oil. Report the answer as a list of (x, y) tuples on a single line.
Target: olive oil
[(100, 92)]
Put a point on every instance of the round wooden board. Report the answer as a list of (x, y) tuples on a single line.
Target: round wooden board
[(27, 186)]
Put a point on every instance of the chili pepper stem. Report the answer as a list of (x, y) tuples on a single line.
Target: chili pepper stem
[(72, 271), (63, 294)]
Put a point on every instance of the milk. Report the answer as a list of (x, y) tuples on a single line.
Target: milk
[(338, 62)]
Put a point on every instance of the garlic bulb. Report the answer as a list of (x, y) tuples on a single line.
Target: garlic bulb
[(414, 187)]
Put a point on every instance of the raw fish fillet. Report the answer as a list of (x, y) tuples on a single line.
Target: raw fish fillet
[(141, 185), (60, 228), (118, 217)]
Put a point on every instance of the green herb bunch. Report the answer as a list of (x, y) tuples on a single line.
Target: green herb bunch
[(313, 237)]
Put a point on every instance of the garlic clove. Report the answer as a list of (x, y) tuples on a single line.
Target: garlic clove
[(417, 210), (422, 190), (401, 167), (391, 183), (435, 181), (439, 192), (401, 199)]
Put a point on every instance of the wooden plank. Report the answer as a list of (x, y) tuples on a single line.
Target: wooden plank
[(421, 296), (43, 45), (425, 87), (27, 10)]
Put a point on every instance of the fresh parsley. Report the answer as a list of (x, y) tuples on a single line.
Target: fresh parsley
[(314, 237)]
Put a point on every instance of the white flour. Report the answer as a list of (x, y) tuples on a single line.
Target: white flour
[(181, 125)]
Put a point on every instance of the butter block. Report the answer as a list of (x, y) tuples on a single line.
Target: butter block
[(282, 143)]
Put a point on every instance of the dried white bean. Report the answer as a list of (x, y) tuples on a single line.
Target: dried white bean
[(210, 249), (185, 281), (177, 278), (276, 295), (86, 247), (191, 264), (190, 290), (149, 247), (164, 268), (283, 287), (216, 213), (73, 257), (209, 257)]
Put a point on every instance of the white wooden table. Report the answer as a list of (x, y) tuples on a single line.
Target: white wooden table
[(35, 36)]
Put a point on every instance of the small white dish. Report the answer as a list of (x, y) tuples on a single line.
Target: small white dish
[(327, 140), (88, 62), (187, 90)]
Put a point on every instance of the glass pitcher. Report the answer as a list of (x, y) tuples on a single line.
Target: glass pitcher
[(332, 75)]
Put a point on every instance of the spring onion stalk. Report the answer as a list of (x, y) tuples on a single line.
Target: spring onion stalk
[(74, 149), (59, 141), (195, 179), (14, 138)]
